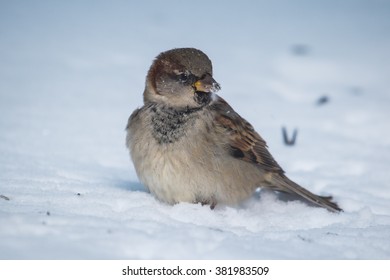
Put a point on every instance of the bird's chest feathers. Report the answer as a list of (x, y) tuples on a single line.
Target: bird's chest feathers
[(170, 125)]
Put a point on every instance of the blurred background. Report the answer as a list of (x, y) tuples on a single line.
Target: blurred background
[(71, 73)]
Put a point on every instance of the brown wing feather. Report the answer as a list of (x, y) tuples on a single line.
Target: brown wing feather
[(244, 142)]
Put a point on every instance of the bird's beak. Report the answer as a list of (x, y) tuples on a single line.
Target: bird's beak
[(206, 84)]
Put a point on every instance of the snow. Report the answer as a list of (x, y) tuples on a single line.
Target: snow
[(72, 72)]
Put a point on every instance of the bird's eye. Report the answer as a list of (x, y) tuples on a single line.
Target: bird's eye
[(183, 77)]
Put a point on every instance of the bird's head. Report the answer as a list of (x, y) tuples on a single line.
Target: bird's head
[(181, 78)]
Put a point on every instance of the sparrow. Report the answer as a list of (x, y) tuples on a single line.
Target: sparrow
[(189, 145)]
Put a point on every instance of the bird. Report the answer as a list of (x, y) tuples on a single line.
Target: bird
[(189, 145)]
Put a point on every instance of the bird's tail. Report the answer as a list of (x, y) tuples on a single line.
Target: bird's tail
[(285, 184)]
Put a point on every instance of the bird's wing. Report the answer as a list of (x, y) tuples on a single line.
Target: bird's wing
[(243, 142)]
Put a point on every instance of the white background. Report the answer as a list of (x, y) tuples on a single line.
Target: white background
[(71, 72)]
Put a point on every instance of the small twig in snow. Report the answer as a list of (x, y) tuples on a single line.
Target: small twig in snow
[(287, 141), (4, 197)]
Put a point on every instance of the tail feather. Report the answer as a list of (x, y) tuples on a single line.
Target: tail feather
[(283, 183)]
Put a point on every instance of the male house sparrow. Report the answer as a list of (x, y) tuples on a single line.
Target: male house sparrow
[(188, 145)]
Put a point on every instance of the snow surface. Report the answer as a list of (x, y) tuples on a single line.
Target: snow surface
[(71, 72)]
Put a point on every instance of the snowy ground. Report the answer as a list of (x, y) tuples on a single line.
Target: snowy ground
[(71, 72)]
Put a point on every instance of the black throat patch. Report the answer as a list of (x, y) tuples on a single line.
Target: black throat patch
[(170, 124), (202, 98)]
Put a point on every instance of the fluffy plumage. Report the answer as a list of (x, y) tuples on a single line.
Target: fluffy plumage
[(189, 145)]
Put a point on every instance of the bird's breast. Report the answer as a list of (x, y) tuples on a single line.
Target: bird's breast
[(170, 125), (178, 159)]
